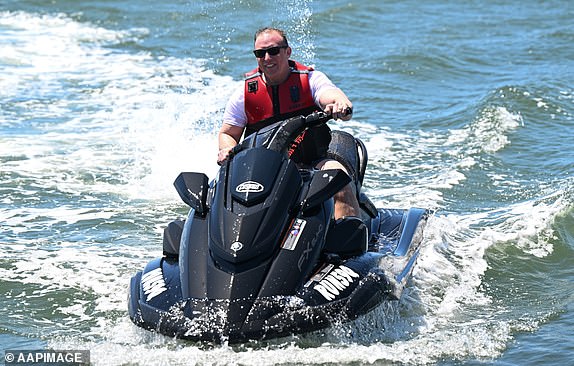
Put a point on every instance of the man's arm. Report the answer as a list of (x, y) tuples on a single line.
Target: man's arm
[(334, 101), (330, 98), (228, 137)]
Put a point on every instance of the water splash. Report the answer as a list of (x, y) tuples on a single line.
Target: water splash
[(145, 119)]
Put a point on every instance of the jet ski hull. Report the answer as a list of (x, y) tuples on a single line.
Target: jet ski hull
[(339, 291)]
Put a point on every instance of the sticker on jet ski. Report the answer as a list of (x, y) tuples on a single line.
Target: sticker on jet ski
[(294, 234), (335, 282), (153, 284)]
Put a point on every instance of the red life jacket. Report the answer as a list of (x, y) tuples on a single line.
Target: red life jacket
[(267, 104)]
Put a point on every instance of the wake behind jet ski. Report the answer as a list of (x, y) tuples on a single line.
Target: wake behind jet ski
[(259, 255)]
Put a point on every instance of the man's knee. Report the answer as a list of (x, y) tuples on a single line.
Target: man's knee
[(331, 164)]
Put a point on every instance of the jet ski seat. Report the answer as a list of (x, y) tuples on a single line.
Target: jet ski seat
[(352, 154)]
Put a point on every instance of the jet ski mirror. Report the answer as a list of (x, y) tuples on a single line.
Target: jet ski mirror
[(192, 188), (324, 184)]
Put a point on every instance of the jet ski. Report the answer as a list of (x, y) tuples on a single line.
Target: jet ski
[(260, 256)]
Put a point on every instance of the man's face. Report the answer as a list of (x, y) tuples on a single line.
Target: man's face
[(274, 67)]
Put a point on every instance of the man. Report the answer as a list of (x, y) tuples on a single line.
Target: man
[(281, 88)]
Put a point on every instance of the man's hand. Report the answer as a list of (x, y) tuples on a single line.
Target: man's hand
[(223, 154), (228, 137), (340, 110)]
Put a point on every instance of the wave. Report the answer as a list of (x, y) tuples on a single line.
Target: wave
[(100, 116)]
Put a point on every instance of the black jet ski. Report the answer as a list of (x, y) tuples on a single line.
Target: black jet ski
[(260, 256)]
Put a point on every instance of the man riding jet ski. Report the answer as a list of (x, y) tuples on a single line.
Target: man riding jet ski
[(261, 256)]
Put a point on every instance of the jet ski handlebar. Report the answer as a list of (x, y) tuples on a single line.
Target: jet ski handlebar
[(321, 117), (317, 119), (279, 136)]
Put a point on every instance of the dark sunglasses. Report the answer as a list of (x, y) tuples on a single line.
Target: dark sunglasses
[(272, 51)]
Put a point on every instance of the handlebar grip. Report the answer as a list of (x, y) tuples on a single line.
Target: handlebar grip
[(317, 118), (235, 150)]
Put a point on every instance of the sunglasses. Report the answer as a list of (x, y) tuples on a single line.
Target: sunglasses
[(272, 51)]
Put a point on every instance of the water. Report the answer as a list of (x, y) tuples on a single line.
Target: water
[(466, 108)]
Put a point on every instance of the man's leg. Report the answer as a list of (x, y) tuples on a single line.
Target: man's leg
[(346, 203)]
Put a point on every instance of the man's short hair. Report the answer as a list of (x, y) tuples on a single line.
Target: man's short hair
[(271, 29)]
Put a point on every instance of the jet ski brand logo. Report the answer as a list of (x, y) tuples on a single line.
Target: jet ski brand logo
[(237, 246), (338, 280), (153, 284), (250, 187)]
